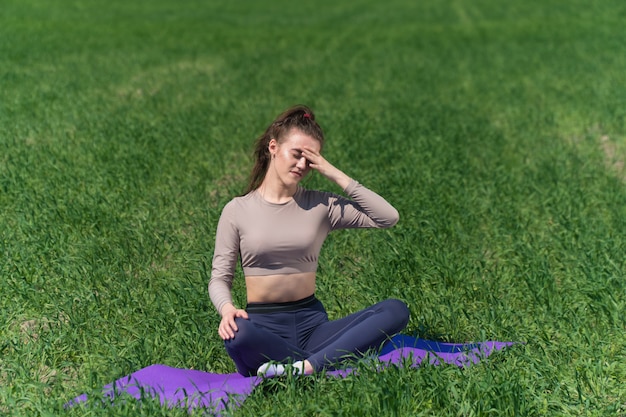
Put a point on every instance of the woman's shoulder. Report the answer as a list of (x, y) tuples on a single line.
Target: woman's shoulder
[(240, 202)]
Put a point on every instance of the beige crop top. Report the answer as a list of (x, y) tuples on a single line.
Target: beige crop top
[(287, 238)]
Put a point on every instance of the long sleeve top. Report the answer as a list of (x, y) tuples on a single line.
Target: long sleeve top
[(287, 238)]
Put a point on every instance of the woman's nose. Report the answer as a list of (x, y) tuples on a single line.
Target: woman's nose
[(302, 163)]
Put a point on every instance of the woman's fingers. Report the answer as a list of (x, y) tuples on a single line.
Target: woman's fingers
[(225, 331), (241, 313), (228, 326), (328, 170), (310, 154), (316, 161)]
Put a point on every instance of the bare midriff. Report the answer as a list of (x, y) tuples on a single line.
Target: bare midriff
[(280, 288)]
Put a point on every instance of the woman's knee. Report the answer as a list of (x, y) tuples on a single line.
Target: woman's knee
[(398, 311), (244, 336)]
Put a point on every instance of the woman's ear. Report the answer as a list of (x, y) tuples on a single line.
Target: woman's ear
[(272, 147)]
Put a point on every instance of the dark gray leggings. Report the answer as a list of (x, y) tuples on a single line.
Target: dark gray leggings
[(290, 331)]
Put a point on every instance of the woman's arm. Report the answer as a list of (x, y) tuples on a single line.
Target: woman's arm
[(366, 209), (225, 257), (379, 212)]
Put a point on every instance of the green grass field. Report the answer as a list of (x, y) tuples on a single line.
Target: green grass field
[(497, 128)]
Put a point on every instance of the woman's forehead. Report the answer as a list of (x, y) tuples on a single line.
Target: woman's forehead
[(296, 139)]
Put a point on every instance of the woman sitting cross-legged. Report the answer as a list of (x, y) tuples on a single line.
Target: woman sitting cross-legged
[(277, 229)]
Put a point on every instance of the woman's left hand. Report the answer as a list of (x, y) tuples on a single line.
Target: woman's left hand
[(320, 164)]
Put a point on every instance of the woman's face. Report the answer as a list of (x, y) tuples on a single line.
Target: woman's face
[(288, 163)]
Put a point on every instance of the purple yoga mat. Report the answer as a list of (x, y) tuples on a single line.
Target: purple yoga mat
[(190, 388)]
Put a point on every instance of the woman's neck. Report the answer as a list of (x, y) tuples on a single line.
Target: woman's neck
[(275, 192)]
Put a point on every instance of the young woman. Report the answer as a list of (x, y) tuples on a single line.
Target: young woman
[(277, 228)]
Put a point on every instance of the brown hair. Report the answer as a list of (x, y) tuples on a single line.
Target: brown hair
[(297, 117)]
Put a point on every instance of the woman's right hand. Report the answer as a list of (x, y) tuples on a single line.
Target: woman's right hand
[(228, 327)]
